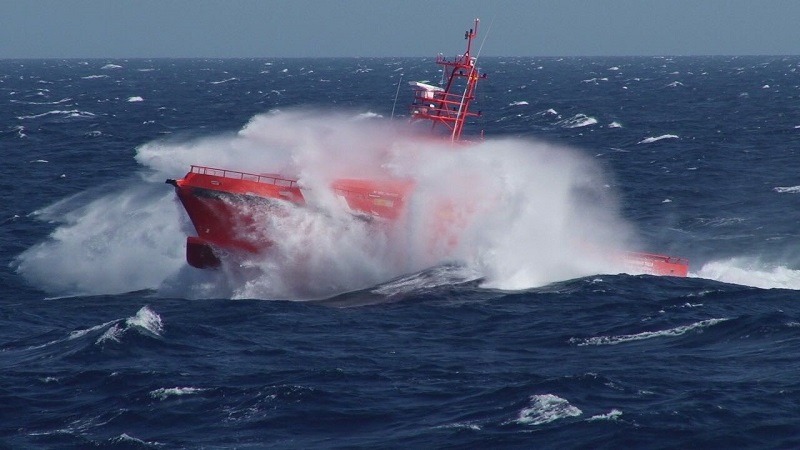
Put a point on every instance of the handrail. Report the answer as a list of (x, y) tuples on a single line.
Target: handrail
[(236, 175), (654, 257)]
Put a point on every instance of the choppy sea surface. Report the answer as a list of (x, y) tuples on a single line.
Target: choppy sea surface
[(109, 340)]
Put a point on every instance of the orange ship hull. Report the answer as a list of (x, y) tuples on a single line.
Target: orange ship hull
[(227, 209), (221, 205), (652, 264)]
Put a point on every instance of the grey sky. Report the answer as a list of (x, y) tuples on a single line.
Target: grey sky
[(309, 28)]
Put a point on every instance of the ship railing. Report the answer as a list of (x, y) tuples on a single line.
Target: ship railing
[(236, 175), (442, 105), (654, 257), (359, 194)]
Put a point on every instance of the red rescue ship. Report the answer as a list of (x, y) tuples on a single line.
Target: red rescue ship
[(220, 202)]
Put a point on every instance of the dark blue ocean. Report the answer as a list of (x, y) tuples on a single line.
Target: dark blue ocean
[(108, 339)]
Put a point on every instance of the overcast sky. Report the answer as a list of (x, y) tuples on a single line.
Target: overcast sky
[(310, 28)]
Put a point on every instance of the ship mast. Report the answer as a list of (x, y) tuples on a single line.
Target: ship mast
[(449, 106)]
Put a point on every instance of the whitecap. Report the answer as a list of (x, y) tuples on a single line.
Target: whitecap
[(111, 66), (135, 99), (747, 271), (787, 189), (611, 415), (146, 319), (92, 77), (367, 115), (40, 161), (670, 332), (70, 113), (550, 112), (461, 426), (719, 221), (224, 81), (650, 140), (518, 103), (615, 124), (163, 393), (675, 84), (112, 334), (63, 100), (78, 333), (127, 440), (578, 121), (545, 409), (76, 113)]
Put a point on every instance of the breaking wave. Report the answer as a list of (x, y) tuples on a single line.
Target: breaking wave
[(650, 140), (529, 214), (546, 408), (615, 340), (749, 271)]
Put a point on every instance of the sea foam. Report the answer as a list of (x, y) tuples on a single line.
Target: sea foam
[(528, 214), (546, 408)]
